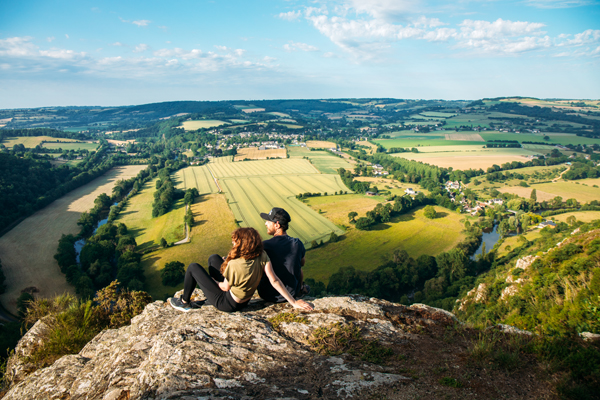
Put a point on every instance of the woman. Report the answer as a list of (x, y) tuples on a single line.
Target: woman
[(233, 281)]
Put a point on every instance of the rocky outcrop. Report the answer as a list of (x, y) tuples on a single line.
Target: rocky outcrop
[(267, 352)]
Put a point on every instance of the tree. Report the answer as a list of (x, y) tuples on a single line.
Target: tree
[(333, 237), (352, 215), (533, 195), (173, 273), (571, 220), (430, 212), (163, 243), (363, 223)]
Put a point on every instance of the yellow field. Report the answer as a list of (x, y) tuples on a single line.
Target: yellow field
[(31, 141), (320, 144), (371, 146), (207, 123), (120, 142), (28, 249), (223, 169), (566, 190), (210, 234), (253, 153)]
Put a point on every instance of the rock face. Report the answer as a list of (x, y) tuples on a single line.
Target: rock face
[(207, 354)]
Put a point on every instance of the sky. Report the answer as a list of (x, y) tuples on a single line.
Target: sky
[(112, 53)]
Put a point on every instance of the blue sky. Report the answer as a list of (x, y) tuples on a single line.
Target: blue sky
[(132, 52)]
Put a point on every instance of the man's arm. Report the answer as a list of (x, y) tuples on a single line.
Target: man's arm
[(279, 286)]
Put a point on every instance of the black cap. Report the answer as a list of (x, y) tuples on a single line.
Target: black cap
[(277, 215)]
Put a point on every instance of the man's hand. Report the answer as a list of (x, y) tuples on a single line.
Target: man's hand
[(303, 305)]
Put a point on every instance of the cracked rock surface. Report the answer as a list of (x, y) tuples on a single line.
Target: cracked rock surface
[(208, 354)]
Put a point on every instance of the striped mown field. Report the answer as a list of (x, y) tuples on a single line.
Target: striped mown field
[(195, 176), (252, 187)]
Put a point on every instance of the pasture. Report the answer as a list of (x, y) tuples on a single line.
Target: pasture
[(320, 144), (366, 250), (148, 231), (28, 249), (565, 189), (468, 137), (211, 233), (223, 169), (31, 141), (324, 161), (72, 146), (253, 153), (423, 140), (206, 123), (438, 114)]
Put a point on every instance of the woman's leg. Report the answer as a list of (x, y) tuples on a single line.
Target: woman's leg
[(190, 280), (214, 267)]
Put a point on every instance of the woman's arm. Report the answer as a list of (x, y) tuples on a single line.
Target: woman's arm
[(279, 286), (224, 286)]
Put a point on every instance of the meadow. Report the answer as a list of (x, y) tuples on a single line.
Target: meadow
[(31, 141), (72, 146), (38, 236), (206, 123), (366, 250), (253, 153), (423, 140), (565, 189), (195, 176), (324, 161), (211, 234)]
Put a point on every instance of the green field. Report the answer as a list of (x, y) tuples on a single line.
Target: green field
[(30, 141), (325, 162), (210, 234), (366, 250), (71, 146), (565, 189), (148, 231), (423, 140), (438, 114)]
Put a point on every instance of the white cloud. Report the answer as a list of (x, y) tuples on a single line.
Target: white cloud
[(61, 53), (67, 36), (17, 47), (50, 39), (499, 28), (118, 44), (141, 22), (384, 9), (140, 48), (293, 46), (163, 27), (290, 15), (585, 37)]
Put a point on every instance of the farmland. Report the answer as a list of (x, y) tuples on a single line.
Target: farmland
[(210, 234), (366, 250), (148, 231), (71, 146), (320, 144), (207, 123), (253, 153), (566, 190), (38, 235), (324, 161), (31, 141)]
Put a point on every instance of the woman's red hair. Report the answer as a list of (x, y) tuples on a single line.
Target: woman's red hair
[(248, 245)]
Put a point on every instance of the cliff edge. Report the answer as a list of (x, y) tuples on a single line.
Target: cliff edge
[(349, 346)]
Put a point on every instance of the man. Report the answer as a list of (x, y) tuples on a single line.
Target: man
[(287, 257)]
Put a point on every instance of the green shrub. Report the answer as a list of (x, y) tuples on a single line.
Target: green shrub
[(173, 273)]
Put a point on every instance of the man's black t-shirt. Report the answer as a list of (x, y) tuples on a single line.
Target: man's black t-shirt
[(286, 253)]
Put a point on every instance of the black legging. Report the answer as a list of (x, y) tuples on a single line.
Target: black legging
[(195, 274)]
